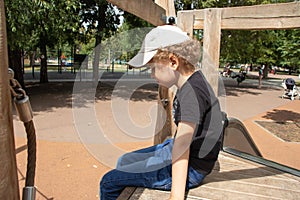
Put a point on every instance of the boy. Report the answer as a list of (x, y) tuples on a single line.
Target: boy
[(181, 163)]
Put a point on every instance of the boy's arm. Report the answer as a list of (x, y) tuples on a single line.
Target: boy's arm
[(180, 159)]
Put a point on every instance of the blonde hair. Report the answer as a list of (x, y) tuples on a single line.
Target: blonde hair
[(188, 52)]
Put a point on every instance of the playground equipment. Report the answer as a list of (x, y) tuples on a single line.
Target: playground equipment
[(8, 176), (274, 16), (10, 87), (23, 108), (212, 21)]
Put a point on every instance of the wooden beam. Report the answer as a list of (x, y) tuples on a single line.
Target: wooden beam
[(261, 24), (9, 188), (268, 16), (168, 5), (145, 9)]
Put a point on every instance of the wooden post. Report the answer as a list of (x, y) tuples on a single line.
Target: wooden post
[(165, 99), (211, 41), (165, 96), (185, 21), (9, 188), (211, 46)]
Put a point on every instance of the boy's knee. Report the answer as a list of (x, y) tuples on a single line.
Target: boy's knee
[(104, 181), (107, 178)]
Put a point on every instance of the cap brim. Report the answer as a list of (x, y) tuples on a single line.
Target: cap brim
[(141, 59)]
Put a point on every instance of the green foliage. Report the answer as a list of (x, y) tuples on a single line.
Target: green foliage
[(289, 48), (271, 47), (30, 23), (124, 45), (131, 21), (100, 18), (130, 36), (33, 24)]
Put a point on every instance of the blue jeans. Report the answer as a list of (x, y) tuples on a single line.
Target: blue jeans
[(150, 168)]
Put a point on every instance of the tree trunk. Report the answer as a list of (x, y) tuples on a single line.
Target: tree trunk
[(96, 59), (43, 71), (32, 57), (266, 71), (15, 63)]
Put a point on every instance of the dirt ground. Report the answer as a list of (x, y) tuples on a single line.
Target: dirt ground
[(70, 167), (67, 168), (287, 131)]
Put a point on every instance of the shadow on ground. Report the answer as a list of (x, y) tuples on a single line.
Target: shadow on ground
[(49, 96), (232, 89), (282, 116)]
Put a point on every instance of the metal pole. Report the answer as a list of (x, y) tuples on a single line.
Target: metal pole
[(9, 188)]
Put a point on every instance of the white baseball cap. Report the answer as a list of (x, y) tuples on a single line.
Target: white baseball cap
[(157, 38)]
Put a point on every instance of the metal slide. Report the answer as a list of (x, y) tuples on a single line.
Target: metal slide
[(238, 141), (237, 137)]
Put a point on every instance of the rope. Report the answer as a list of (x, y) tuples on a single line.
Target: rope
[(31, 158)]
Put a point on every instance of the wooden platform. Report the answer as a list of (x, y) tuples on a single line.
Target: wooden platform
[(236, 179)]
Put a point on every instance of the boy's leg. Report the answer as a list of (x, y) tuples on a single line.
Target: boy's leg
[(140, 157), (194, 178), (115, 181), (150, 167)]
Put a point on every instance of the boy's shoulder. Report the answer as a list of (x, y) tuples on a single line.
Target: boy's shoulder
[(197, 77)]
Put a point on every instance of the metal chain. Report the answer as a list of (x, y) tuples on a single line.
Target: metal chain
[(15, 87)]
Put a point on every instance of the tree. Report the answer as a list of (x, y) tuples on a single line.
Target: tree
[(289, 49), (101, 20), (41, 24), (18, 34), (130, 36)]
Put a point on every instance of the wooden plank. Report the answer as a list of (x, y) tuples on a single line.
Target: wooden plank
[(211, 46), (237, 179), (263, 11), (269, 16), (165, 100), (256, 11), (145, 9), (126, 193), (255, 23), (261, 24)]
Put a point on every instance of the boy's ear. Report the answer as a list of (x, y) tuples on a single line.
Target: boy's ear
[(174, 61)]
